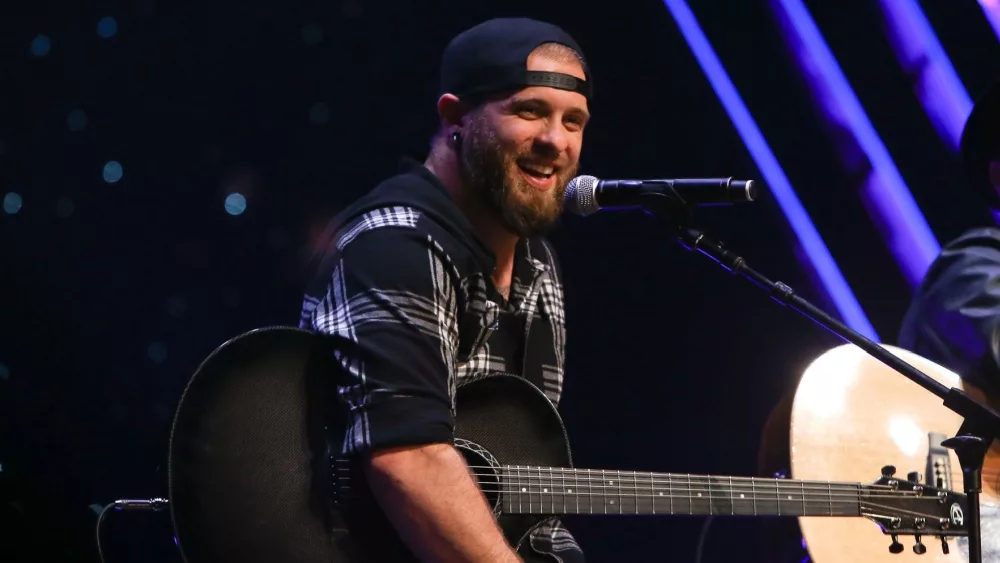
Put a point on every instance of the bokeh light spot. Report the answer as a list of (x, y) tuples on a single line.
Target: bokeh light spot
[(12, 203), (112, 172), (236, 204), (76, 120), (319, 113), (107, 27), (157, 352), (312, 34), (40, 46), (65, 207)]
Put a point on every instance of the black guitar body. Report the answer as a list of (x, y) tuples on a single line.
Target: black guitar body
[(253, 475)]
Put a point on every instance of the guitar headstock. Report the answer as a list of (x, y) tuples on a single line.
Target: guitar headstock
[(907, 507)]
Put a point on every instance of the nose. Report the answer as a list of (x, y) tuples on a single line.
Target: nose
[(554, 137)]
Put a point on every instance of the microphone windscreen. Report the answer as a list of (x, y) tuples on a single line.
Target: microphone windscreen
[(581, 196)]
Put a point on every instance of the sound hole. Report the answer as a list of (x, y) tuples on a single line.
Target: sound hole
[(484, 470)]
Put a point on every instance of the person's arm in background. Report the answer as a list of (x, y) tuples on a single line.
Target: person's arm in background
[(395, 296), (955, 316)]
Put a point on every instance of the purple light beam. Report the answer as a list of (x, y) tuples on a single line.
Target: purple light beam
[(992, 10), (886, 196), (822, 262), (923, 58)]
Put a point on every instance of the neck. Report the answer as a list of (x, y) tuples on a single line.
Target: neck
[(443, 163), (548, 490)]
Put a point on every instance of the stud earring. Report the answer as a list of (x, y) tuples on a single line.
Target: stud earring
[(455, 136)]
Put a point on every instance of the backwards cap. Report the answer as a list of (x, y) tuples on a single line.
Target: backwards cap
[(492, 56)]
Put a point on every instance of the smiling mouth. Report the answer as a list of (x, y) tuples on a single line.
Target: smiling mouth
[(538, 174)]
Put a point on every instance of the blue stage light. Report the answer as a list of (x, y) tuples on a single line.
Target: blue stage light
[(822, 262)]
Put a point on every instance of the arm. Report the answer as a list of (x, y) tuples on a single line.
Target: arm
[(436, 506), (394, 297), (954, 319)]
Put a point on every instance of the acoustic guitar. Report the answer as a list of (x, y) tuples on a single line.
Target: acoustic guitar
[(848, 414), (254, 474)]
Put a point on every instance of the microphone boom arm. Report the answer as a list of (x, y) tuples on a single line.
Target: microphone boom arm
[(981, 425)]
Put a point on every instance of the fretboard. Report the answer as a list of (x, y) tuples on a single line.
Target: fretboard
[(546, 490)]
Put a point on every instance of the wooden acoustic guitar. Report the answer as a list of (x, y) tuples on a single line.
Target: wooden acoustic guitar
[(848, 415), (254, 474)]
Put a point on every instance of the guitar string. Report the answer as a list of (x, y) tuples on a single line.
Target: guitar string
[(585, 477), (612, 491), (869, 506), (594, 475)]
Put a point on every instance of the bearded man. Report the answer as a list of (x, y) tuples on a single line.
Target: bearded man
[(441, 273)]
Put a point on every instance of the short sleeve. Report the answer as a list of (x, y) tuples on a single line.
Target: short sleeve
[(392, 298), (955, 317)]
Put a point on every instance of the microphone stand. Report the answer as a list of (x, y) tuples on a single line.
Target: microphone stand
[(981, 425)]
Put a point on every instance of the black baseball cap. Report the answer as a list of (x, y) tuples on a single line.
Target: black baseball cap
[(981, 138), (492, 56)]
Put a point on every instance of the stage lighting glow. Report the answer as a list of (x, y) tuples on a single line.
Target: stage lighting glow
[(319, 113), (312, 34), (112, 172), (777, 183), (107, 27), (76, 120), (41, 45), (991, 8), (885, 194), (157, 352), (65, 207), (923, 59), (236, 204), (12, 203), (4, 371)]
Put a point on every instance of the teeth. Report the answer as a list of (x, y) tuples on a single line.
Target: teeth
[(543, 170)]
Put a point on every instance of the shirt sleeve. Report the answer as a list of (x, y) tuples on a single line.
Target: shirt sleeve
[(392, 298), (955, 318)]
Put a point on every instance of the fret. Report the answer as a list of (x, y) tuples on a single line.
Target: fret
[(619, 479), (753, 495), (576, 485), (802, 486), (652, 494), (732, 498), (590, 490), (829, 496), (635, 489)]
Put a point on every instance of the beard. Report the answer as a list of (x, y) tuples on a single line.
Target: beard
[(492, 175)]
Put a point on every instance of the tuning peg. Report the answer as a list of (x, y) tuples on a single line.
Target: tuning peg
[(914, 476), (888, 470), (895, 547), (944, 545), (918, 547)]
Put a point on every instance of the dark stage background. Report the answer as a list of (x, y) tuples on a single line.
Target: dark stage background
[(115, 283)]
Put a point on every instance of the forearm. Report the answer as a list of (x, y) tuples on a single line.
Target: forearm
[(436, 506)]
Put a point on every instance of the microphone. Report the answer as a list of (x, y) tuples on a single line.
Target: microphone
[(586, 194)]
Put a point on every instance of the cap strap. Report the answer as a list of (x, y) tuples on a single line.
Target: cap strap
[(557, 80), (520, 78)]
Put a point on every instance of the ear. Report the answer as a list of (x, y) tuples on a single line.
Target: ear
[(450, 111)]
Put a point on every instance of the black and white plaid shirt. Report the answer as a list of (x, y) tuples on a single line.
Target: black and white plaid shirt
[(407, 283)]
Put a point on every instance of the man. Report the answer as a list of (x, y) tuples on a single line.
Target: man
[(954, 319), (441, 273)]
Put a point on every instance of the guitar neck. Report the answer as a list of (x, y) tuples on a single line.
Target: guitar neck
[(554, 490)]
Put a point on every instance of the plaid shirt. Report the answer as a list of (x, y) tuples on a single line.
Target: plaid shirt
[(407, 283)]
